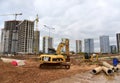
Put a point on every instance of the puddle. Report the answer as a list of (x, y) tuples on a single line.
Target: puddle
[(88, 77)]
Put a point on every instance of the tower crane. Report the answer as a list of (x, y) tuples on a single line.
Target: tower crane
[(36, 48), (16, 14), (36, 20)]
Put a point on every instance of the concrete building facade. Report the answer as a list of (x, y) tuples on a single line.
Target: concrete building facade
[(118, 42), (89, 46), (78, 46), (4, 41), (47, 43), (26, 36), (104, 44), (9, 37)]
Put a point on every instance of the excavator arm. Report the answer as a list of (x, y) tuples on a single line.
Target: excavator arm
[(60, 46), (66, 45)]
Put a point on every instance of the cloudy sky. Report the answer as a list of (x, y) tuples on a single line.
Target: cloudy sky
[(73, 19)]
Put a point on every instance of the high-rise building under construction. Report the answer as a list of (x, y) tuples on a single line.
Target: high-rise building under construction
[(78, 46), (9, 37), (118, 42), (26, 36), (89, 46), (104, 44), (4, 41), (19, 37), (47, 44)]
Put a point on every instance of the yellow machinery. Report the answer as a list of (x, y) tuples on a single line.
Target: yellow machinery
[(57, 60), (90, 57)]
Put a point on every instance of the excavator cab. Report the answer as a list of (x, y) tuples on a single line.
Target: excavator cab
[(87, 57), (51, 51)]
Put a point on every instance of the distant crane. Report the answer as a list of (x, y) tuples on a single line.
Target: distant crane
[(36, 20), (49, 28), (16, 14), (36, 33)]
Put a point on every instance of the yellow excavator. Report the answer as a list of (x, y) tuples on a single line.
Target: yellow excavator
[(56, 60), (90, 57)]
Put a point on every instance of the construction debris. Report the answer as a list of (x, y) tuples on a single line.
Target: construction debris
[(107, 68), (7, 60), (14, 62)]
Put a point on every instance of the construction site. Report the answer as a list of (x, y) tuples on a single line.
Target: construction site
[(81, 71), (21, 61)]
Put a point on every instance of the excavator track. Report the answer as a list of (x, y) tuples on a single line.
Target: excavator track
[(54, 66)]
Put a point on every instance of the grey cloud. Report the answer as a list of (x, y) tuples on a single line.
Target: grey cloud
[(54, 7), (75, 19)]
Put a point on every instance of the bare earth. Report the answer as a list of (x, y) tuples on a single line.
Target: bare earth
[(80, 72), (30, 73)]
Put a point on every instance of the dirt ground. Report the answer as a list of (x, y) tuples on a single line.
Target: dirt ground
[(30, 73), (87, 77)]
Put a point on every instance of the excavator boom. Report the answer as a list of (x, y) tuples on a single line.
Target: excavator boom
[(61, 45), (66, 45)]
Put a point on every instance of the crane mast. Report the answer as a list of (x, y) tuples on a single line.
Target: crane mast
[(36, 21)]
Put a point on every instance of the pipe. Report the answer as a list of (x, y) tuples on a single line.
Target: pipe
[(116, 69), (97, 70), (118, 66), (107, 70), (108, 65), (7, 60)]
